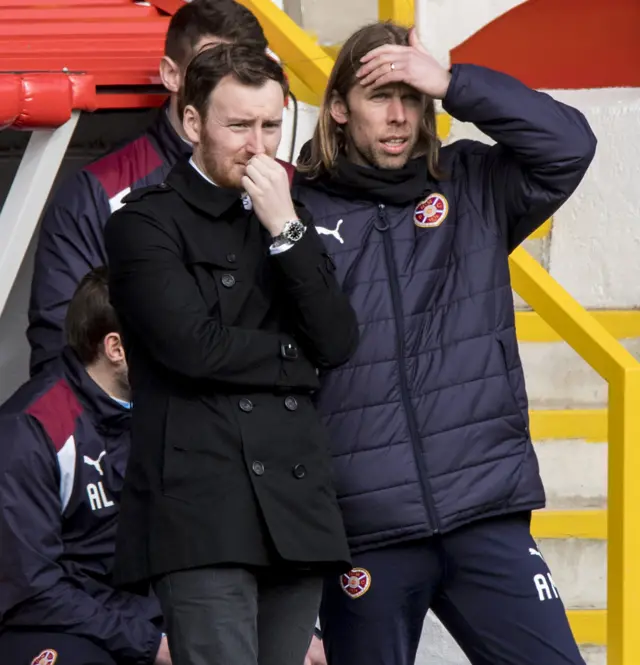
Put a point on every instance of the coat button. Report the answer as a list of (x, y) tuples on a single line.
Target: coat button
[(258, 468), (291, 403), (299, 471), (228, 281), (231, 257), (246, 405)]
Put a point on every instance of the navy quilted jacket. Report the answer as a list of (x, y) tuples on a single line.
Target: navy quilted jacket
[(429, 420), (64, 447)]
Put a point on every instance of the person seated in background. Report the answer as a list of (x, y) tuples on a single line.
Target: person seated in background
[(70, 241), (64, 446)]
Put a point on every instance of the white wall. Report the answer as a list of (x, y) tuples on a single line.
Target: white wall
[(306, 122), (595, 243), (595, 240)]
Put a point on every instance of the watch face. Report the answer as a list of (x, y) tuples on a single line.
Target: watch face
[(293, 230)]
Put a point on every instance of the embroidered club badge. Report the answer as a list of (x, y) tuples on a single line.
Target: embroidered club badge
[(431, 212), (46, 657), (356, 582)]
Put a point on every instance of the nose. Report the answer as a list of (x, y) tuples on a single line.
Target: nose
[(395, 111), (255, 144)]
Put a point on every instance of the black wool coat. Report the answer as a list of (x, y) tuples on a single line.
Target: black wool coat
[(229, 461)]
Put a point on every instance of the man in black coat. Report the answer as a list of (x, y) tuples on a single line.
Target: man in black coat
[(229, 308)]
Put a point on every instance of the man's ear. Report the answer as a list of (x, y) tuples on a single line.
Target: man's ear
[(192, 124), (338, 109), (170, 74), (113, 348)]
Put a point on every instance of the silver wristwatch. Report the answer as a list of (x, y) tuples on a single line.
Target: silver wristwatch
[(292, 231)]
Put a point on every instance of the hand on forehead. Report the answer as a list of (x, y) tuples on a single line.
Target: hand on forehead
[(412, 65)]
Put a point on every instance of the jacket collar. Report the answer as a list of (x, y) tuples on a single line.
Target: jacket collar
[(194, 189), (107, 415), (400, 187), (170, 144)]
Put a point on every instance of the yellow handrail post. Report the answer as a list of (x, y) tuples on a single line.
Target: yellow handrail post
[(622, 371), (623, 564), (398, 11)]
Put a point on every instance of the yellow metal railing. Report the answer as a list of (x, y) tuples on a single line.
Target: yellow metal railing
[(307, 65), (310, 65), (622, 372)]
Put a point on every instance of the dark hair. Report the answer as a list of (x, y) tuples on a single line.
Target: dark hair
[(90, 316), (248, 64), (225, 19), (328, 139)]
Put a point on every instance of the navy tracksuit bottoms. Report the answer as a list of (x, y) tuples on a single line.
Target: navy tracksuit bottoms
[(487, 582), (42, 648)]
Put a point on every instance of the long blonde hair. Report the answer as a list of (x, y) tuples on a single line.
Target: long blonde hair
[(329, 138)]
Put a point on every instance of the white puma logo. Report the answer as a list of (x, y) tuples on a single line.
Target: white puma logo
[(96, 463), (533, 552), (331, 232)]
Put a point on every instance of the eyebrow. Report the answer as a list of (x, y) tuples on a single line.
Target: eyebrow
[(238, 120)]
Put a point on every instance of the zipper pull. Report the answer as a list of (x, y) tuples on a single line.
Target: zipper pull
[(381, 222)]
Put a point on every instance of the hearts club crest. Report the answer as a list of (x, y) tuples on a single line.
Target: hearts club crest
[(431, 212), (46, 657), (356, 582)]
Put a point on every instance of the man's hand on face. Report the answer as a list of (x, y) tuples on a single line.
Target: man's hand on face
[(163, 657), (315, 655), (267, 183), (411, 64)]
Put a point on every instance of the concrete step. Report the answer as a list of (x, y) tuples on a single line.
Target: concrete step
[(574, 473), (558, 378), (579, 570)]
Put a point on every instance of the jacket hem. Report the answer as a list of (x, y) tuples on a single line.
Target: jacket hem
[(447, 527)]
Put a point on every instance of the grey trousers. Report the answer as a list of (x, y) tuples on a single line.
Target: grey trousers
[(233, 616)]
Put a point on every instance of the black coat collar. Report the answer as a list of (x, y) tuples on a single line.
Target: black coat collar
[(195, 190)]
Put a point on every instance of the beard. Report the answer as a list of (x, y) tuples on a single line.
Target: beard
[(122, 381), (225, 173)]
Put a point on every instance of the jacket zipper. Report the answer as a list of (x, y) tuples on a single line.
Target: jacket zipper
[(392, 271)]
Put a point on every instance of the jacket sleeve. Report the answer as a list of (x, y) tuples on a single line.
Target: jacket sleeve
[(542, 152), (70, 243), (157, 297), (34, 588), (327, 324)]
